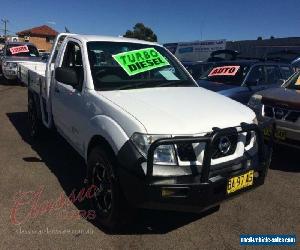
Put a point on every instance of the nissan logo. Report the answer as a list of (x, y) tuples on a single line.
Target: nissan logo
[(279, 113), (224, 145)]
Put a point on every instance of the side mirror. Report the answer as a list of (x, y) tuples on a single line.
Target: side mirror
[(67, 76)]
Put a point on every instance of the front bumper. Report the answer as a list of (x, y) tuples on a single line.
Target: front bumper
[(10, 73), (291, 132), (196, 192)]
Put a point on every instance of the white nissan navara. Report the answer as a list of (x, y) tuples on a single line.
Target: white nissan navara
[(150, 136)]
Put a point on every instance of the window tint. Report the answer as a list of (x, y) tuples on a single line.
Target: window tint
[(286, 72), (256, 76), (73, 60), (272, 74)]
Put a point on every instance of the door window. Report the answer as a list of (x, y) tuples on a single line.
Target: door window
[(286, 72), (256, 76), (73, 60), (272, 74)]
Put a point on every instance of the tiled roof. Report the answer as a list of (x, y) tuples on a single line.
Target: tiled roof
[(43, 30)]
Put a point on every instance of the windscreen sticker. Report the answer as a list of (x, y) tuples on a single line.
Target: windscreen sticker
[(224, 71), (138, 61), (19, 49)]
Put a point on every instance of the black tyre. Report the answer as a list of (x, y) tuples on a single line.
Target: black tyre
[(108, 201), (34, 123)]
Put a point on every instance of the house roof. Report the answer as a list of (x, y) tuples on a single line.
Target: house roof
[(43, 30)]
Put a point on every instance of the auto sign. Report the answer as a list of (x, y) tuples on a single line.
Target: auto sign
[(224, 71), (18, 49)]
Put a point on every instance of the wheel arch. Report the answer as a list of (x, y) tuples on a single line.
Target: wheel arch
[(101, 141)]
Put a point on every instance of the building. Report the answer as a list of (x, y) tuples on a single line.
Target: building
[(274, 48), (42, 36), (265, 48), (195, 50)]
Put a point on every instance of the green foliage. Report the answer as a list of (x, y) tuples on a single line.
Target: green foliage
[(141, 32)]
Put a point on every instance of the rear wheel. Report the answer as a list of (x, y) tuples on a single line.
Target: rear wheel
[(35, 125), (108, 201)]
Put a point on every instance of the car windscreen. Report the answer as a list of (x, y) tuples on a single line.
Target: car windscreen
[(293, 82), (22, 50), (122, 65), (233, 74)]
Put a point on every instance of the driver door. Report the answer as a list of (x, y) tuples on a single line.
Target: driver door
[(68, 101)]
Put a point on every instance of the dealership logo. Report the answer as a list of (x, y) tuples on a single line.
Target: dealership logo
[(224, 145)]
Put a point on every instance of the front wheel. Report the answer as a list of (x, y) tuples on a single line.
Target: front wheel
[(108, 201)]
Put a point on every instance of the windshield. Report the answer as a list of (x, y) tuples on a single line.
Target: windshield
[(227, 74), (116, 66), (22, 50), (293, 82)]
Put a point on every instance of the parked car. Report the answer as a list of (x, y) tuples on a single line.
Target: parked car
[(15, 52), (196, 69), (240, 79), (283, 105), (44, 55), (150, 136)]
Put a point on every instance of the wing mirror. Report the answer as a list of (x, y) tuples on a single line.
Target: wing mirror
[(66, 76)]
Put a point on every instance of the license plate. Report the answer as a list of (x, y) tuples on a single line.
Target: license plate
[(239, 182), (279, 134)]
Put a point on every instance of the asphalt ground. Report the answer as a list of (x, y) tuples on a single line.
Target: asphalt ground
[(34, 175)]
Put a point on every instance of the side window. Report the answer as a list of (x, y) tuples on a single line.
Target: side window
[(286, 72), (73, 60), (256, 76), (272, 74)]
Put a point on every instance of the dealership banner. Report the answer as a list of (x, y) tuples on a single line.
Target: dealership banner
[(198, 50)]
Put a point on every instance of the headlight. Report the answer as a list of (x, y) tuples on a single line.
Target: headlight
[(11, 64), (164, 154), (255, 102)]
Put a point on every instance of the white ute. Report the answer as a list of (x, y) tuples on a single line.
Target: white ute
[(149, 135)]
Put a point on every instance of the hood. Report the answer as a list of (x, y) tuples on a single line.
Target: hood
[(180, 110), (281, 97), (215, 86), (22, 59)]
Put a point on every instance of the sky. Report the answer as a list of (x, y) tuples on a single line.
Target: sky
[(171, 20)]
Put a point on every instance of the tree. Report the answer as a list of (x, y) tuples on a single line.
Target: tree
[(141, 32), (259, 38)]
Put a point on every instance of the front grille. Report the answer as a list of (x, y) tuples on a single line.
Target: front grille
[(186, 152), (281, 113), (217, 147), (293, 116), (268, 111)]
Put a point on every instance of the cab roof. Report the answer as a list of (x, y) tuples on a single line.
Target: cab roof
[(94, 38)]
